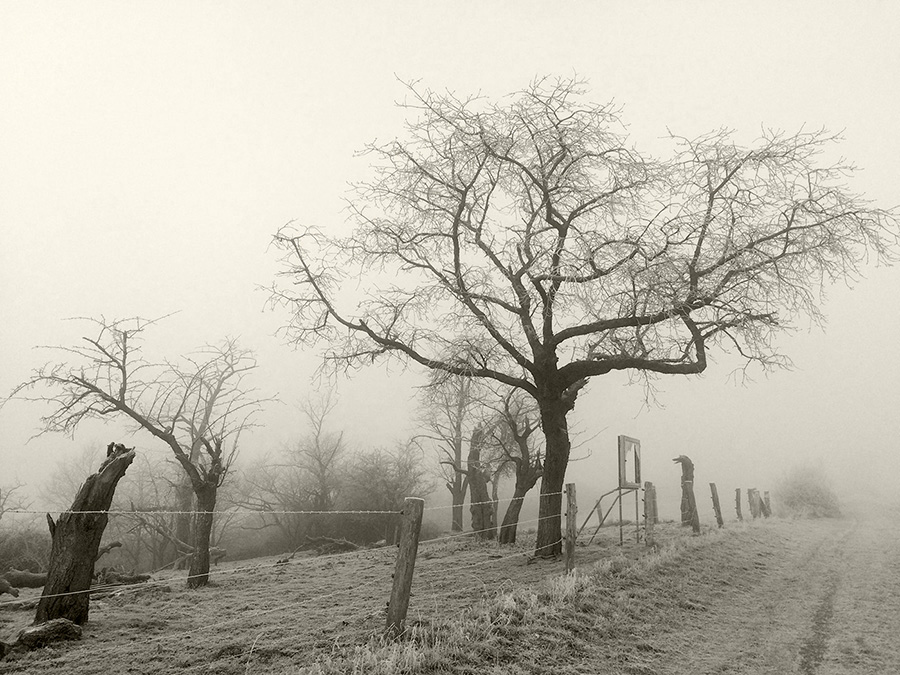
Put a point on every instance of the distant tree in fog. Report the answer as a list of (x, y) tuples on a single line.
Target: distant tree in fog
[(306, 475), (526, 241), (449, 410)]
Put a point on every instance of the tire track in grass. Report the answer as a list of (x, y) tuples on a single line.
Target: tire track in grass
[(812, 651)]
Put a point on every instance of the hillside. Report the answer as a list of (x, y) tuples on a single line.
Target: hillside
[(773, 596)]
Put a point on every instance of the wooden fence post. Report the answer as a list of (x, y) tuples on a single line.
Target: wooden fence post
[(737, 503), (756, 504), (692, 505), (410, 525), (716, 506), (571, 527), (649, 512), (767, 503)]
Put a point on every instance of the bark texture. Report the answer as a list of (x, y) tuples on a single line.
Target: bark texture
[(76, 542)]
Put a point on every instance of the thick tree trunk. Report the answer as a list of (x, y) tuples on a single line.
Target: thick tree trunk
[(184, 519), (456, 524), (76, 541), (480, 506), (458, 489), (556, 458), (198, 575)]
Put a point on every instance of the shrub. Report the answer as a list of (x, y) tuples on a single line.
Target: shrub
[(24, 547), (806, 492)]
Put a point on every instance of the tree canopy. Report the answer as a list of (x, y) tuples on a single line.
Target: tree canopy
[(526, 241)]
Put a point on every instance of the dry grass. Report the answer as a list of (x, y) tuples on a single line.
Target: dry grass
[(476, 608)]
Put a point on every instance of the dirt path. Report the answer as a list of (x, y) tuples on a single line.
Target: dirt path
[(814, 598)]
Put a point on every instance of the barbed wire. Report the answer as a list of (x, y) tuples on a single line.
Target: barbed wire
[(274, 512), (216, 573), (120, 512)]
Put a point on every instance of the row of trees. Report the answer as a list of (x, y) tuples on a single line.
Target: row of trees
[(523, 245)]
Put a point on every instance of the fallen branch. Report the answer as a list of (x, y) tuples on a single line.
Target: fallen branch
[(21, 579)]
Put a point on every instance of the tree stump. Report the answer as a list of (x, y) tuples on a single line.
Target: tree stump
[(689, 515), (76, 541)]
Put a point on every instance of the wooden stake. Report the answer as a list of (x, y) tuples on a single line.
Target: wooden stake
[(692, 505), (716, 506), (571, 527), (649, 509), (737, 503), (768, 504), (410, 526)]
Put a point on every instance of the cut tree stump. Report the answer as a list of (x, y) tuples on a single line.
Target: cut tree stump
[(35, 637), (76, 541)]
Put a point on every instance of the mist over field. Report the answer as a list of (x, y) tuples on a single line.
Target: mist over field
[(150, 153)]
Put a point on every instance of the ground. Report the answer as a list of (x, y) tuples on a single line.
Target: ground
[(772, 596)]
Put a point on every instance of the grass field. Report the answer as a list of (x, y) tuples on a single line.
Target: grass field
[(751, 598)]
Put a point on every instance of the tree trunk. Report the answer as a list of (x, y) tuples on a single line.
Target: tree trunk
[(198, 575), (458, 489), (556, 458), (511, 519), (480, 505), (76, 541), (456, 524), (184, 519)]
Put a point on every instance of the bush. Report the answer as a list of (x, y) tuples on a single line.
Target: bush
[(806, 492), (24, 547)]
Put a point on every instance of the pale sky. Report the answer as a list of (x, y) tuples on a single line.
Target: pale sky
[(148, 151)]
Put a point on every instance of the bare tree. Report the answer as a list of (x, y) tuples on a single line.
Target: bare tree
[(381, 479), (198, 408), (306, 476), (513, 434), (525, 241), (447, 414), (320, 453)]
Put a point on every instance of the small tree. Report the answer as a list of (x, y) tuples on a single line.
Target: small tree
[(380, 480), (527, 242), (197, 408), (516, 421), (448, 413), (12, 499), (306, 476)]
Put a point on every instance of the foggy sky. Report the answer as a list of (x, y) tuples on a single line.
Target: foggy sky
[(149, 151)]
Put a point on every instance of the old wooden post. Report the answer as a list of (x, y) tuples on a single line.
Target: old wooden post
[(767, 503), (689, 515), (649, 512), (716, 506), (571, 527), (737, 503), (410, 525), (692, 503), (753, 499)]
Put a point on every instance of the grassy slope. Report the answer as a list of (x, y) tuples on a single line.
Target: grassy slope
[(475, 609)]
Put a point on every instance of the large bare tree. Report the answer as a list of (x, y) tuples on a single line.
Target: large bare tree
[(526, 241), (198, 407)]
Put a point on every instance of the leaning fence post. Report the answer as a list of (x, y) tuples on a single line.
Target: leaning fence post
[(649, 512), (571, 527), (737, 503), (410, 525), (716, 506)]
